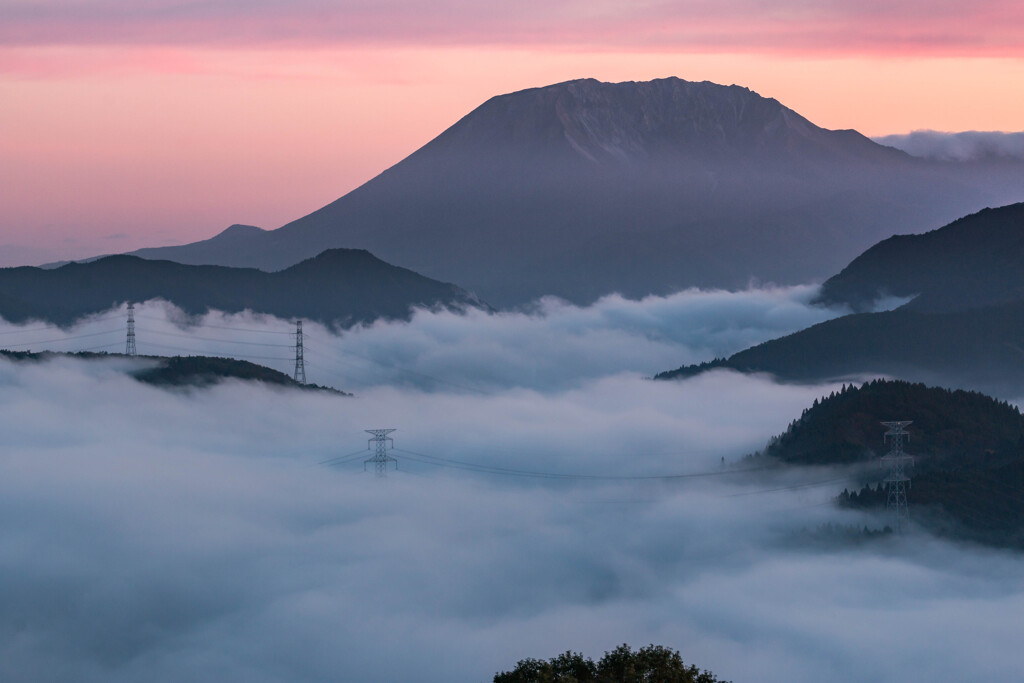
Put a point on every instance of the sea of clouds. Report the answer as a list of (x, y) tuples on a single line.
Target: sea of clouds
[(552, 345), (165, 535)]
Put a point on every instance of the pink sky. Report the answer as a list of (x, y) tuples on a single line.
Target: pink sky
[(128, 123)]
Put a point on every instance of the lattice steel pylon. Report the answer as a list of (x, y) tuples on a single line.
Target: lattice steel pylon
[(300, 363), (380, 458), (129, 346), (897, 482)]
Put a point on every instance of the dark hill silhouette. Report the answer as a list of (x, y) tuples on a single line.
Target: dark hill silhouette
[(582, 188), (952, 428), (974, 261), (966, 327), (979, 348), (968, 474), (339, 287), (183, 371)]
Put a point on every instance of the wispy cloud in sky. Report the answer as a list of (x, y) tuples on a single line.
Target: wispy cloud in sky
[(987, 27), (965, 146)]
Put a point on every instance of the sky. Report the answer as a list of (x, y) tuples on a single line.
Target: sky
[(130, 123), (169, 535)]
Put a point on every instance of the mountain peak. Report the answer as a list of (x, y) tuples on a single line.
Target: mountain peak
[(637, 121), (240, 230)]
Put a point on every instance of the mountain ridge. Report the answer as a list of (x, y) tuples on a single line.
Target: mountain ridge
[(964, 327), (974, 261), (582, 188), (339, 287)]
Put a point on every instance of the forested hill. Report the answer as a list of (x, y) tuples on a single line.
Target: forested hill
[(340, 287), (968, 448), (181, 371), (950, 427)]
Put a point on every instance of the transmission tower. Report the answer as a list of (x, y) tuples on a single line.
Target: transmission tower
[(129, 347), (380, 457), (300, 364), (897, 482)]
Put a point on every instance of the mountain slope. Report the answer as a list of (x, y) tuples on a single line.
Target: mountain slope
[(582, 188), (181, 371), (979, 348), (965, 328), (338, 287), (974, 261)]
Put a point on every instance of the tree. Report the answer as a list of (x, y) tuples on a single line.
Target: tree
[(651, 664)]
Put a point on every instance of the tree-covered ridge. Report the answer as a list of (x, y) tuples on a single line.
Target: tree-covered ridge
[(200, 371), (968, 448), (183, 371), (983, 503), (651, 664), (950, 427)]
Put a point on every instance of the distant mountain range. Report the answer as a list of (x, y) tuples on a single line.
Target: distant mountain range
[(340, 287), (583, 188), (965, 326)]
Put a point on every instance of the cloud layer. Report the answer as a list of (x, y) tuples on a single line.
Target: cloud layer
[(559, 501), (990, 27), (552, 345), (966, 146), (164, 536)]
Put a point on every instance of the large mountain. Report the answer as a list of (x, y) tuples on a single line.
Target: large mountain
[(582, 188), (338, 287), (965, 326)]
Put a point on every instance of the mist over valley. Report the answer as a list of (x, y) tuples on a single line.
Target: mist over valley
[(629, 348)]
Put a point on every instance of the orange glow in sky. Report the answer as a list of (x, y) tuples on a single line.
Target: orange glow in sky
[(118, 140)]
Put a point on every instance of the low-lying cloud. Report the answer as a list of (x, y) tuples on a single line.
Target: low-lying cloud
[(967, 146), (154, 535), (165, 536), (554, 345)]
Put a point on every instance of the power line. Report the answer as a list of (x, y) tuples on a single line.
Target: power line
[(39, 328), (405, 371), (214, 339), (498, 470), (233, 355), (29, 329), (341, 459), (97, 348), (437, 461), (63, 339), (220, 327)]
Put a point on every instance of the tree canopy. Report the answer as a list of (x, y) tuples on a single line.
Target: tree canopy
[(650, 664)]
